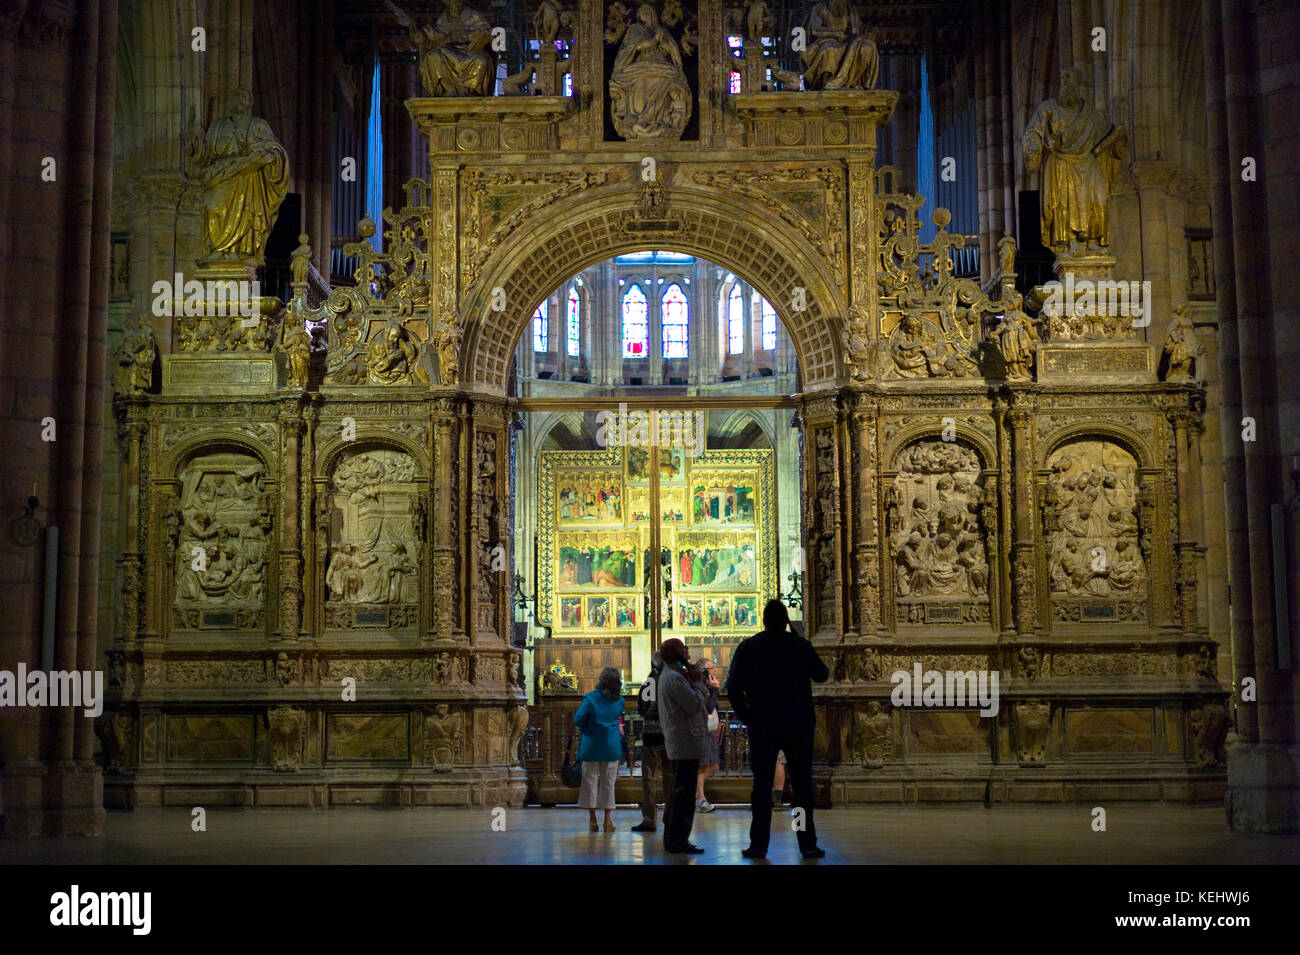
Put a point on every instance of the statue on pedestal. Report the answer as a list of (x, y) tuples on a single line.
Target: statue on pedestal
[(245, 173), (135, 360), (1079, 150), (1184, 354), (456, 55), (840, 54)]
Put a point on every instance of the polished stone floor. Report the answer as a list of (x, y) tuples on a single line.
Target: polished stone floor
[(1136, 834)]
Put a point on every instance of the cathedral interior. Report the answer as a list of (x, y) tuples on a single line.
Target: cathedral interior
[(376, 373)]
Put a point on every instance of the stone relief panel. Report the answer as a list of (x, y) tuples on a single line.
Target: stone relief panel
[(221, 537), (1090, 521), (936, 535), (371, 577)]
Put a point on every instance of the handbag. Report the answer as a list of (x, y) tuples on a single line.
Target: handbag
[(570, 773), (713, 722)]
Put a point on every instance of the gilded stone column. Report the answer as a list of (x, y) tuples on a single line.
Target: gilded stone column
[(1186, 552), (867, 547), (1024, 565), (446, 470), (290, 537)]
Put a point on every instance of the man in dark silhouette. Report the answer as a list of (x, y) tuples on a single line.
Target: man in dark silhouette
[(770, 690)]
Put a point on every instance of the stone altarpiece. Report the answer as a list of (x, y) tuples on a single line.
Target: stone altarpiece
[(322, 499)]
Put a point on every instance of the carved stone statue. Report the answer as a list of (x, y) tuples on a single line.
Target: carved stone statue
[(135, 359), (1015, 339), (287, 725), (917, 348), (447, 342), (443, 730), (295, 345), (391, 356), (245, 173), (300, 260), (840, 55), (1080, 151), (221, 546), (871, 735), (758, 21), (456, 55), (1184, 353), (516, 726), (649, 95), (1033, 723)]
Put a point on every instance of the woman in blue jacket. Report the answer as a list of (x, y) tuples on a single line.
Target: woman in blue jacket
[(601, 745)]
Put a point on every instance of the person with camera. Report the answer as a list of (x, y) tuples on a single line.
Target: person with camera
[(600, 717), (684, 701), (770, 688), (709, 765)]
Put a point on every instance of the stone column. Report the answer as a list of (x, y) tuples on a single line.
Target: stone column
[(1024, 564), (866, 553), (290, 534), (447, 621)]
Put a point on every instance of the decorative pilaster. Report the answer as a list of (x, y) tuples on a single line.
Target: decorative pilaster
[(1024, 576)]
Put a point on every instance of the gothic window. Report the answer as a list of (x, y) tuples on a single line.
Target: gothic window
[(733, 82), (574, 323), (636, 330), (541, 333), (769, 325), (735, 321), (675, 313)]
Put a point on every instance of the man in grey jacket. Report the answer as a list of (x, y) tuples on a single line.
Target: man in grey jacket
[(684, 707)]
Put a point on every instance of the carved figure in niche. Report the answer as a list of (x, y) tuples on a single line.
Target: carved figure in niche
[(1080, 151), (1030, 663), (443, 730), (917, 349), (758, 22), (220, 556), (937, 540), (1014, 339), (840, 56), (245, 174), (455, 54), (285, 668), (135, 359), (371, 562), (1092, 525), (1184, 353), (115, 740), (391, 356), (287, 726), (295, 345), (650, 97), (870, 735)]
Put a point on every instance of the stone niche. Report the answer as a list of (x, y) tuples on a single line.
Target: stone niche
[(1095, 565), (371, 578), (936, 535), (222, 544)]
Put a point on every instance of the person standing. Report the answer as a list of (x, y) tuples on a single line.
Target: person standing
[(770, 690), (598, 717), (709, 765), (683, 714), (655, 764)]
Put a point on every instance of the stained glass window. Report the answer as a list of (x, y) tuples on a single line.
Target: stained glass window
[(769, 326), (735, 321), (636, 330), (574, 323), (541, 333), (733, 82), (675, 314)]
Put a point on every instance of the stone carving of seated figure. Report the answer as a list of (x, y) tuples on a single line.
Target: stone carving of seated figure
[(840, 56), (456, 56)]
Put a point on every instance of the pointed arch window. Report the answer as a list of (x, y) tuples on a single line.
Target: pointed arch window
[(735, 321), (636, 330), (769, 325), (541, 330), (574, 323), (675, 311)]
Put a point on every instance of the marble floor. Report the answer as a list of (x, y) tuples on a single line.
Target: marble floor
[(1135, 834)]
